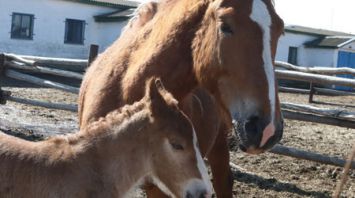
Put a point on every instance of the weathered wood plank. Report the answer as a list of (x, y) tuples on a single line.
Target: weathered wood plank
[(20, 59), (317, 70), (345, 175), (293, 90), (306, 155), (307, 117), (333, 92), (44, 70), (315, 78), (2, 63), (45, 130), (49, 105), (335, 113), (38, 81), (57, 61), (94, 51)]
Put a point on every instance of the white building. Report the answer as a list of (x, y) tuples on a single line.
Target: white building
[(315, 47), (60, 28)]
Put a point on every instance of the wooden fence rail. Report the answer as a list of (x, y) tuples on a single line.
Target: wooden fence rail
[(334, 113), (49, 105), (308, 117), (315, 78), (315, 157), (38, 81), (43, 70), (316, 70), (58, 61)]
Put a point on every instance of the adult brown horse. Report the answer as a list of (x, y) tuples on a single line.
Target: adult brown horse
[(225, 46)]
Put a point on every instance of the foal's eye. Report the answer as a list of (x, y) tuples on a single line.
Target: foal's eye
[(177, 146), (226, 29)]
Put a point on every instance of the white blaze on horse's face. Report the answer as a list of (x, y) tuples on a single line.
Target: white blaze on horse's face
[(260, 15)]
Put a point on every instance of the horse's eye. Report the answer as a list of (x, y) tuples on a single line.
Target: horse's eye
[(177, 146), (226, 29)]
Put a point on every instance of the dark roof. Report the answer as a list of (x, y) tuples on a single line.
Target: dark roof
[(119, 15), (120, 4), (330, 42), (314, 31)]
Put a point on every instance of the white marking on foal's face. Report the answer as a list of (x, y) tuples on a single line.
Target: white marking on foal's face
[(260, 15), (201, 164), (195, 185)]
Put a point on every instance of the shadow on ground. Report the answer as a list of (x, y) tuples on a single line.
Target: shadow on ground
[(275, 185), (334, 104)]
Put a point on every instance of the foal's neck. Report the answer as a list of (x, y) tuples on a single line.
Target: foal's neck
[(124, 152)]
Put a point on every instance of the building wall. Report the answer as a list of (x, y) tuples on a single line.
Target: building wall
[(293, 40), (349, 47), (49, 28), (109, 32), (320, 57)]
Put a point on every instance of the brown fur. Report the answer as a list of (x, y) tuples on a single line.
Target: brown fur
[(105, 158), (180, 42)]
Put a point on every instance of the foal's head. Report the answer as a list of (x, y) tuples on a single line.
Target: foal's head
[(234, 53), (178, 168)]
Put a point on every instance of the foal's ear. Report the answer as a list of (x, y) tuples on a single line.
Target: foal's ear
[(160, 99)]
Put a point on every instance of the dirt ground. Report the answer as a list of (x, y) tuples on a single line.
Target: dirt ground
[(265, 175)]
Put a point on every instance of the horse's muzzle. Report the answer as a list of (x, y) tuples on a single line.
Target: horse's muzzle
[(197, 194), (257, 135)]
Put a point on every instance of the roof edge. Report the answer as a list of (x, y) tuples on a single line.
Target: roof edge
[(103, 4)]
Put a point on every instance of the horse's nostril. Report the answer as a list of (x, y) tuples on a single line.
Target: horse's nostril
[(252, 124), (189, 195), (242, 148), (197, 194)]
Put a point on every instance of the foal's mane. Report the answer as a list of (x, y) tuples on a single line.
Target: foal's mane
[(115, 118), (65, 146)]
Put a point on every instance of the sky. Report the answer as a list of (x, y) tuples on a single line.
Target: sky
[(338, 15)]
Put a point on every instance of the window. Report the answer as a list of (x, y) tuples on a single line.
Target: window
[(74, 31), (292, 55), (22, 26)]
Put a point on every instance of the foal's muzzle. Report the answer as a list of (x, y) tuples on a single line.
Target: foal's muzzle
[(258, 134)]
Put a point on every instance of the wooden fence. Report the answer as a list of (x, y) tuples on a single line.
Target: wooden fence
[(20, 68)]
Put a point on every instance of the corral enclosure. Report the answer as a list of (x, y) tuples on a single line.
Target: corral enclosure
[(266, 175)]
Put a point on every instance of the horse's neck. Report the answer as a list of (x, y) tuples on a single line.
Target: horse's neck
[(165, 50)]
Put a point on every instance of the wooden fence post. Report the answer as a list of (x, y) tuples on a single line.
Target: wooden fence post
[(2, 64), (4, 96), (94, 51), (311, 93)]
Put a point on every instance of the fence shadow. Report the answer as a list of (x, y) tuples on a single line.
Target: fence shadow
[(275, 185), (334, 104)]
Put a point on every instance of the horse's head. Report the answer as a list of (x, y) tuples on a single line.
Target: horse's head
[(178, 167), (234, 52)]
